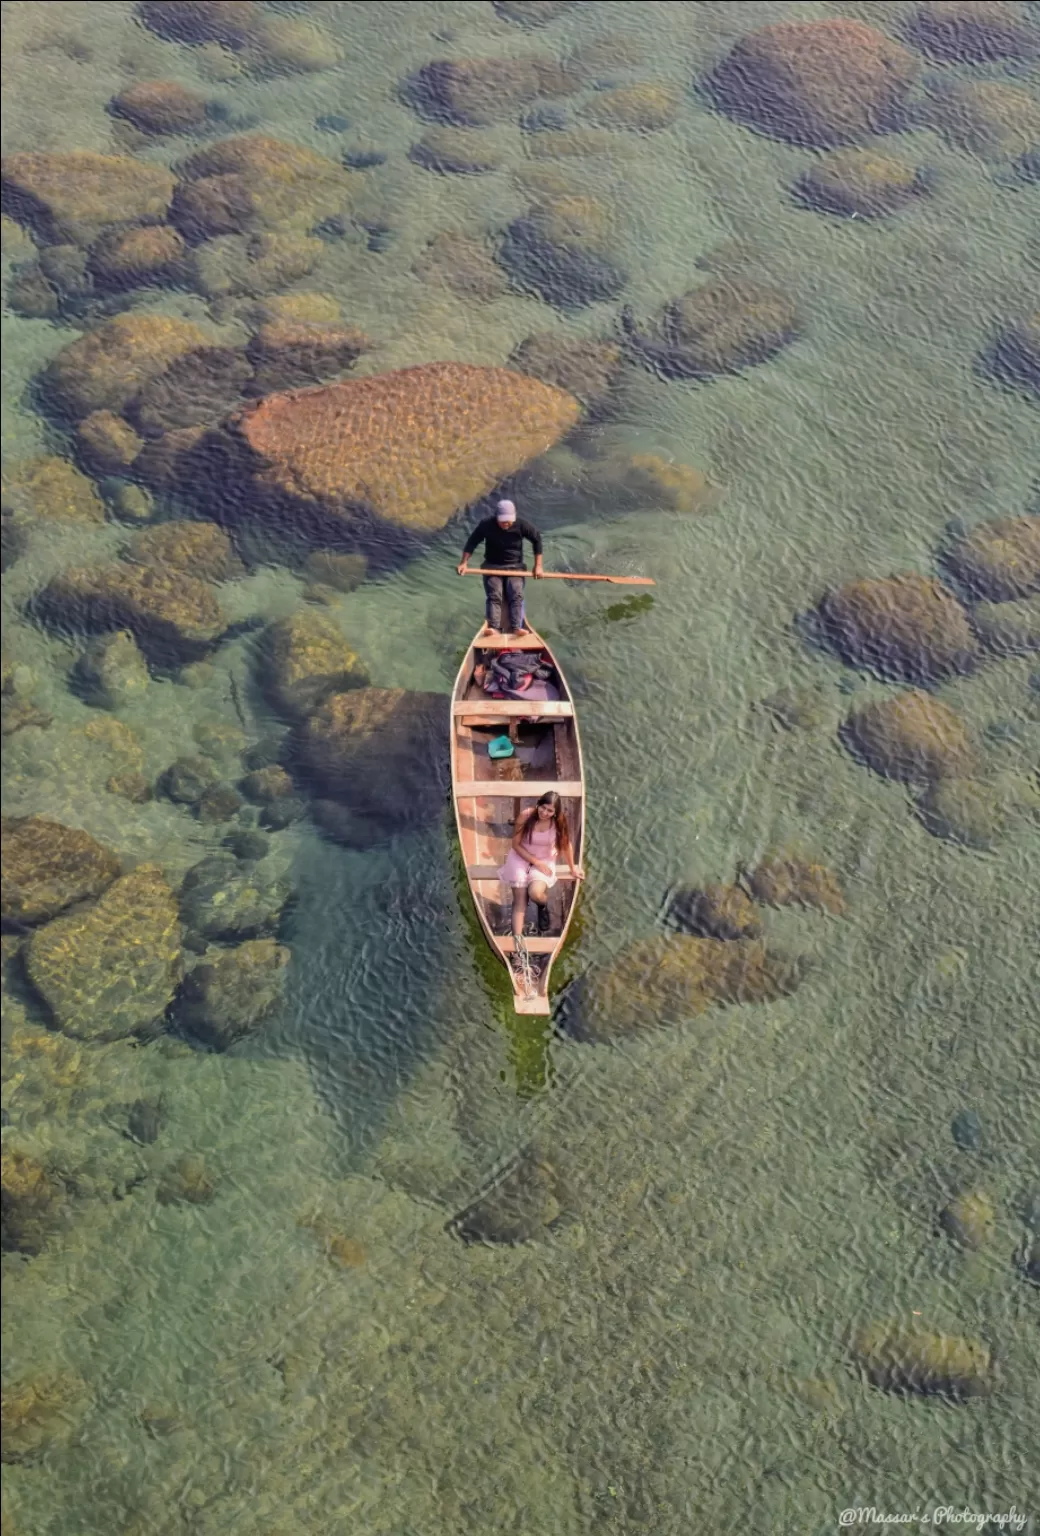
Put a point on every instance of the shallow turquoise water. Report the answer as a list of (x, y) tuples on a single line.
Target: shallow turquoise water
[(738, 1194)]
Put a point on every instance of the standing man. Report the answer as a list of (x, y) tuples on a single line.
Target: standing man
[(503, 538)]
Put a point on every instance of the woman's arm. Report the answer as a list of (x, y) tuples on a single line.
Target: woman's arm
[(525, 854)]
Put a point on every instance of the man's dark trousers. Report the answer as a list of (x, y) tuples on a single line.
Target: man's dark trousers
[(514, 596)]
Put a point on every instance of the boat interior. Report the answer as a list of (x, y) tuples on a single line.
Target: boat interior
[(491, 792)]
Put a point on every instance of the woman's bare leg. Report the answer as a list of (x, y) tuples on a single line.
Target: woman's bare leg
[(519, 909)]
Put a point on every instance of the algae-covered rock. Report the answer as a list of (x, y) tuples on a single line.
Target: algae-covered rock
[(909, 1359), (223, 900), (723, 326), (343, 573), (30, 1199), (199, 549), (456, 151), (1008, 629), (134, 258), (998, 122), (975, 812), (998, 560), (264, 784), (786, 880), (48, 867), (860, 183), (71, 196), (50, 488), (107, 442), (1014, 358), (218, 803), (518, 1209), (381, 750), (911, 736), (187, 1182), (253, 264), (907, 627), (224, 1000), (587, 369), (111, 970), (971, 31), (293, 354), (255, 183), (645, 108), (475, 92), (715, 912), (305, 658), (173, 616), (819, 83), (112, 671), (969, 1220), (462, 264), (666, 981), (160, 106), (40, 1413), (196, 388), (413, 445), (105, 368), (187, 780), (568, 273), (256, 41)]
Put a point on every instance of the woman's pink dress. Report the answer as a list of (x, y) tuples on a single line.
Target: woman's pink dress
[(541, 843)]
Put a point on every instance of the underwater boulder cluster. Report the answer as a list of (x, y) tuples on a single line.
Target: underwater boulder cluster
[(919, 630)]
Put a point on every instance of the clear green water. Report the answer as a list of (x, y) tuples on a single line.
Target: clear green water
[(741, 1192)]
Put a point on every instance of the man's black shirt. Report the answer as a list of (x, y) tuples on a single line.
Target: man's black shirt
[(503, 546)]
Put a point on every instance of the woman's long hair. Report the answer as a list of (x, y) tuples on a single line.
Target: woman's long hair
[(563, 831)]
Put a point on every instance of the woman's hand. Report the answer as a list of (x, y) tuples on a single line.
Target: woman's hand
[(579, 873), (546, 869)]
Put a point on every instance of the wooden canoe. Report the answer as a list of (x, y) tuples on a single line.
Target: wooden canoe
[(489, 794)]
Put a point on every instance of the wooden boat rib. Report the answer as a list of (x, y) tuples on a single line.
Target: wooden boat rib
[(488, 795)]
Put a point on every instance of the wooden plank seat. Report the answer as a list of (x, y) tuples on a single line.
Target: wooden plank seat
[(534, 946), (515, 708), (490, 872), (518, 789)]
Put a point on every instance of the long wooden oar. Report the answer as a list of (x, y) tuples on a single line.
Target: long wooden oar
[(626, 581)]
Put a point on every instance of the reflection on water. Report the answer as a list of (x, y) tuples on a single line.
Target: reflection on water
[(324, 1237)]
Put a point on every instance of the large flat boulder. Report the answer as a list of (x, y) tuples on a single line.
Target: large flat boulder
[(412, 446)]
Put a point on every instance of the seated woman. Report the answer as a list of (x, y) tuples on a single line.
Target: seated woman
[(540, 834)]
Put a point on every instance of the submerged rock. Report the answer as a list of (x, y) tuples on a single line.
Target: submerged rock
[(475, 92), (198, 549), (294, 354), (969, 1220), (715, 912), (254, 184), (107, 442), (173, 616), (462, 264), (29, 1203), (224, 1000), (196, 388), (135, 258), (859, 183), (381, 751), (971, 31), (187, 780), (785, 880), (187, 1182), (111, 970), (645, 108), (723, 326), (224, 900), (413, 446), (519, 1209), (907, 627), (569, 274), (305, 658), (907, 1359), (587, 369), (160, 107), (997, 122), (48, 867), (911, 736), (975, 812), (112, 671), (105, 368), (1008, 629), (999, 560), (145, 1120), (666, 981), (818, 83), (71, 196), (49, 488), (254, 265), (456, 151), (40, 1413)]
